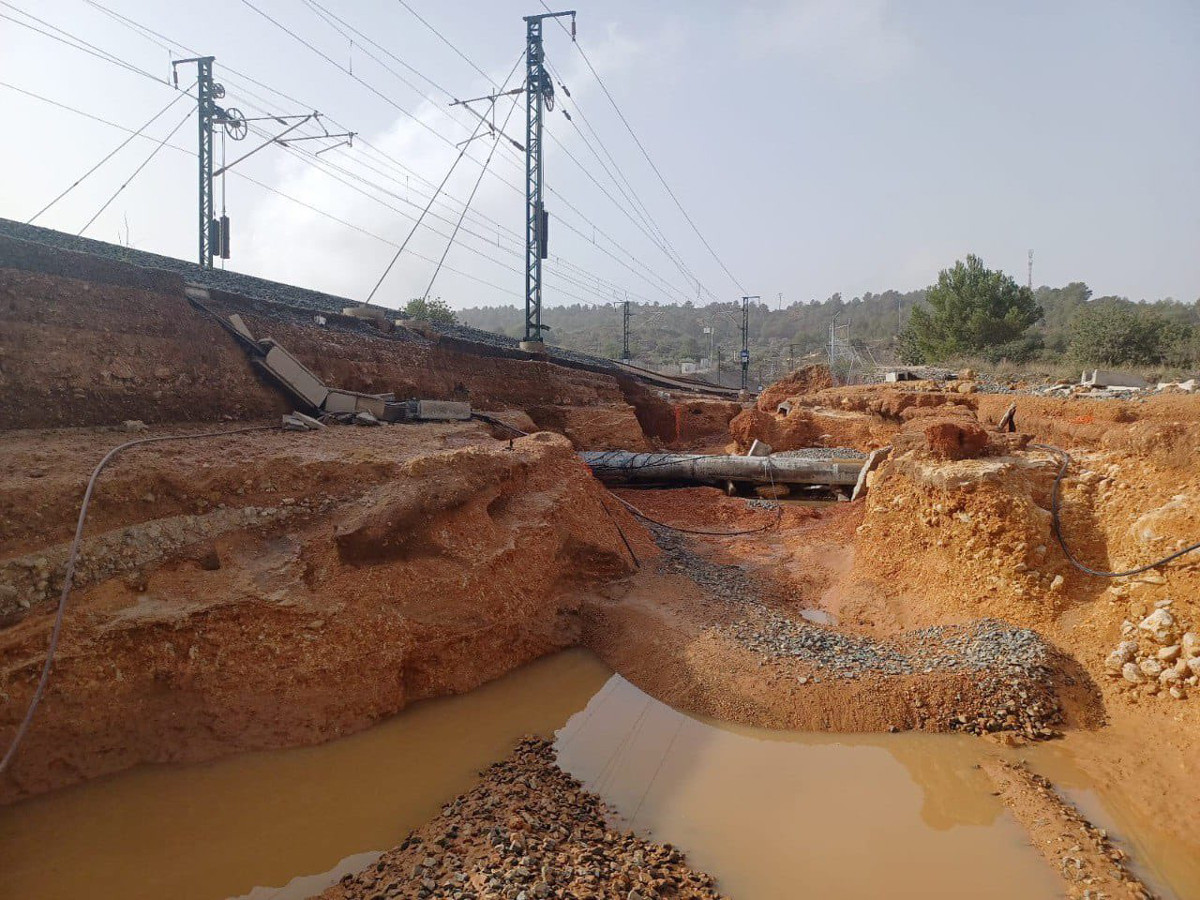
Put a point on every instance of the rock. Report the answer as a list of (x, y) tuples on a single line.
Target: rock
[(1158, 625), (1177, 692), (1125, 652), (1168, 677), (133, 425), (1193, 665), (1057, 583), (1131, 673), (1169, 654), (1150, 667), (1189, 644)]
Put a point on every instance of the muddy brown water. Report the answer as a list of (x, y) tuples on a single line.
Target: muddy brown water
[(771, 814)]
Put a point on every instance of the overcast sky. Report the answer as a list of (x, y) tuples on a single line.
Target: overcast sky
[(818, 145)]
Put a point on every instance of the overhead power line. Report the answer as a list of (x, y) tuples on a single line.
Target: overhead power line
[(637, 140), (457, 225), (639, 269), (447, 42), (108, 156), (449, 172), (136, 171)]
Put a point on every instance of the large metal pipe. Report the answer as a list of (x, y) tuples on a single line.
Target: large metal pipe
[(623, 467)]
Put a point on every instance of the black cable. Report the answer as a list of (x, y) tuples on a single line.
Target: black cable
[(1055, 509), (492, 420), (637, 563), (69, 574), (641, 515)]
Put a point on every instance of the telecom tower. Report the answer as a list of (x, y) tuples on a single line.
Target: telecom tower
[(539, 96)]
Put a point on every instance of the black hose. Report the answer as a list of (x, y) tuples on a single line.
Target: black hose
[(1055, 509), (641, 515), (69, 575)]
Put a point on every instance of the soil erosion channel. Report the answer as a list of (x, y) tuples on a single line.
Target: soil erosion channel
[(763, 810)]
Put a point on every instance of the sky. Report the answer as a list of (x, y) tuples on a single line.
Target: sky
[(809, 146)]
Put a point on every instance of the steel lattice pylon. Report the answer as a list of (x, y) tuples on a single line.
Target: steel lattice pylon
[(843, 358), (539, 93)]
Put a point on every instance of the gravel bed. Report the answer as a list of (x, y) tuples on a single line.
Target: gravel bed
[(1010, 667), (821, 453)]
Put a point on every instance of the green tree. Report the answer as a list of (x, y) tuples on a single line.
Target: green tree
[(972, 310), (435, 312), (1111, 332)]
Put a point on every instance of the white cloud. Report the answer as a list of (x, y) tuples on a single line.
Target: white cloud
[(851, 40)]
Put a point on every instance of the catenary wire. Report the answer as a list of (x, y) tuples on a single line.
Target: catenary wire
[(646, 154), (108, 156), (136, 172)]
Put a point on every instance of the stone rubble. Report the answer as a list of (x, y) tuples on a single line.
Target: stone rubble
[(1155, 658), (527, 831)]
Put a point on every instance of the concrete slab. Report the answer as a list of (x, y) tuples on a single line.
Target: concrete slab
[(303, 383)]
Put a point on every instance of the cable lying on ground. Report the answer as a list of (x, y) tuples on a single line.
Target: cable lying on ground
[(69, 575), (1056, 521)]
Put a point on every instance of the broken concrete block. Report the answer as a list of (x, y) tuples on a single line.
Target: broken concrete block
[(365, 418), (339, 401), (1102, 378), (298, 379), (291, 422), (133, 425), (443, 410), (759, 448)]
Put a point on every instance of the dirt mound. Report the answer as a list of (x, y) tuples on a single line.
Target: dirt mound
[(791, 432), (527, 829), (451, 566), (808, 380), (942, 437)]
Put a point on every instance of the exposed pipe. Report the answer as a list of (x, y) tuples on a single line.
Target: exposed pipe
[(622, 467)]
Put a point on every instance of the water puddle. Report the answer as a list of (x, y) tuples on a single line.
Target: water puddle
[(217, 830), (1170, 866), (780, 815), (819, 616), (771, 814)]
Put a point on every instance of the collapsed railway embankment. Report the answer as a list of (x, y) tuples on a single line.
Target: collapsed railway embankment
[(284, 588)]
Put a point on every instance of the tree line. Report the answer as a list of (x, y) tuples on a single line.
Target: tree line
[(971, 311)]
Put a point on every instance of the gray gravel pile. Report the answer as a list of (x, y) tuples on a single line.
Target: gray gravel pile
[(821, 453), (1010, 667)]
